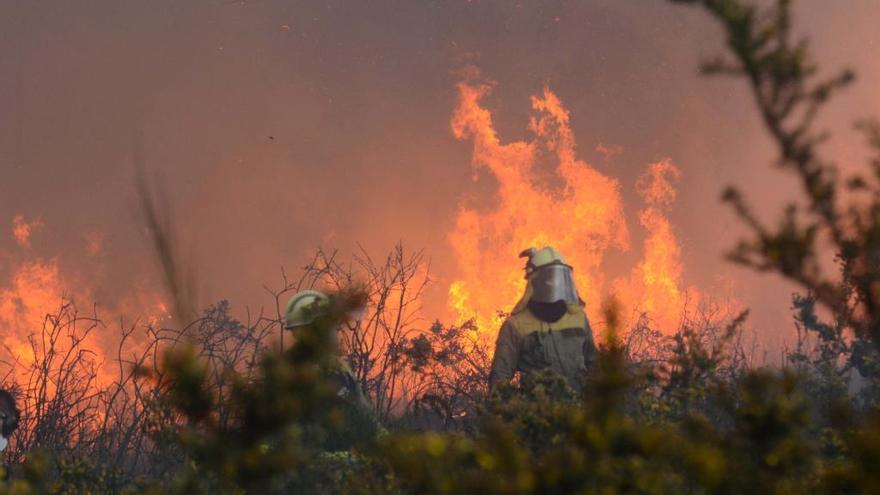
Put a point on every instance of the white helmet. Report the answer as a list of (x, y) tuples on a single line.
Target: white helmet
[(302, 308)]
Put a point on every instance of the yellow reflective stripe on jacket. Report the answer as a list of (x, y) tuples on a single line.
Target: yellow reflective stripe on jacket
[(528, 344)]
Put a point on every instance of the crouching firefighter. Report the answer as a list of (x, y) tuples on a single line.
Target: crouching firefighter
[(547, 329), (303, 309)]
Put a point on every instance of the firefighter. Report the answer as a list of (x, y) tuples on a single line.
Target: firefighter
[(8, 418), (9, 415), (547, 329), (303, 309)]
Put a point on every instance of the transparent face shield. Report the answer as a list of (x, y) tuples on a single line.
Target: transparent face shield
[(553, 283)]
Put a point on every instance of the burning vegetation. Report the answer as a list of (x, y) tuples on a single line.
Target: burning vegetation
[(580, 212), (186, 402)]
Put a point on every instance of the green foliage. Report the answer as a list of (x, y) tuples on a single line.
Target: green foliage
[(540, 438), (450, 365), (789, 94), (281, 418)]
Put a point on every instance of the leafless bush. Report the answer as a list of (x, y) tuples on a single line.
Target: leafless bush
[(375, 345), (57, 384), (72, 403), (713, 330), (82, 399), (644, 343), (77, 405)]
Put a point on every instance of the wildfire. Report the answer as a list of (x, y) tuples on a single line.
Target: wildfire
[(654, 288), (582, 217), (580, 212), (33, 292), (37, 299)]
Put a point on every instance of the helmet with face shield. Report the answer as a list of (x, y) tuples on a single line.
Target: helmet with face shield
[(548, 328)]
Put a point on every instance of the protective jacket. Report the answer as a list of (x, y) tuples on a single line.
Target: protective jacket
[(348, 387), (528, 344)]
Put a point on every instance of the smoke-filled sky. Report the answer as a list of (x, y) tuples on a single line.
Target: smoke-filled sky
[(278, 126)]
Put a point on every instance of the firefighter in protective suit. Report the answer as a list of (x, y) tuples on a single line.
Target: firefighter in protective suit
[(336, 441), (303, 309), (547, 328)]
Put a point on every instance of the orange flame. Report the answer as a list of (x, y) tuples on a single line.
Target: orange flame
[(654, 288), (33, 294), (581, 215)]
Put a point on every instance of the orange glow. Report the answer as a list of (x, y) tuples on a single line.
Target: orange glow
[(33, 293), (51, 346), (581, 214), (32, 301)]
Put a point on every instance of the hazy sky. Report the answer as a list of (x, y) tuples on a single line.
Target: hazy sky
[(281, 125)]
